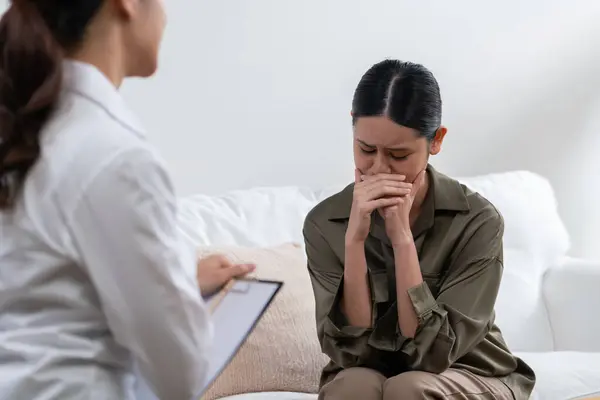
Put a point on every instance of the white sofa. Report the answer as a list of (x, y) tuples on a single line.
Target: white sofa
[(548, 307)]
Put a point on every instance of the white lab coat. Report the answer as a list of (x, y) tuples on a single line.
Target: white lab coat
[(92, 269)]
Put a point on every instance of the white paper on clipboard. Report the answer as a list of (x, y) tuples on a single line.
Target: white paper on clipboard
[(234, 318)]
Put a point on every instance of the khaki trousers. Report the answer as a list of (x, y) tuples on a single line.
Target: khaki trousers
[(454, 384)]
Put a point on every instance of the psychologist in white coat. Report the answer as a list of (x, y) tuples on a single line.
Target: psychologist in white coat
[(92, 270)]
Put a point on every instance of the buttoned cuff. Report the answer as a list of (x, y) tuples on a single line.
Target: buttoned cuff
[(422, 300)]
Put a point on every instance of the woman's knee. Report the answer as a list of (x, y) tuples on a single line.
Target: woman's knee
[(354, 384), (411, 385)]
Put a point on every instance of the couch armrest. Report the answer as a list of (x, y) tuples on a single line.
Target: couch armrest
[(572, 295)]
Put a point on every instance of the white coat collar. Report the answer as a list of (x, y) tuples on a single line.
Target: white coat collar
[(89, 82)]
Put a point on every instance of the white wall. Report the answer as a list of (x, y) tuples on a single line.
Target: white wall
[(258, 92)]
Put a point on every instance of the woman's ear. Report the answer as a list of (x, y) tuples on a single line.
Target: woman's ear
[(436, 143), (126, 8)]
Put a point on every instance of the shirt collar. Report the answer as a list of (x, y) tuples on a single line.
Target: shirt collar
[(88, 81), (448, 195)]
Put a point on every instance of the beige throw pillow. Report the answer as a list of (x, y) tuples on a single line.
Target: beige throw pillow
[(282, 353)]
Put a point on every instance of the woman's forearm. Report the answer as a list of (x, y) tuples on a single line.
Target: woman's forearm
[(356, 295), (408, 275)]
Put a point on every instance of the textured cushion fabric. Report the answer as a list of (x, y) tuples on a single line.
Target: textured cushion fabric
[(282, 353), (564, 375)]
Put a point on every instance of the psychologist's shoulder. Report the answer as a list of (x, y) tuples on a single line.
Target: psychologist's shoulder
[(333, 208)]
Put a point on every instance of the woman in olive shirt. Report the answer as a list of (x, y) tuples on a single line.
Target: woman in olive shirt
[(406, 262)]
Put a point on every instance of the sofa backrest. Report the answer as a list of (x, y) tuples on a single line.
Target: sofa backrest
[(253, 217), (535, 237)]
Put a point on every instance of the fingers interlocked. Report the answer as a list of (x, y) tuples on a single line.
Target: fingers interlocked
[(378, 191)]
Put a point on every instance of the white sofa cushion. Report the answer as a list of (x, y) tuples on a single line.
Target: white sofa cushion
[(572, 297), (520, 307), (255, 217), (270, 216), (535, 239), (532, 222), (564, 375)]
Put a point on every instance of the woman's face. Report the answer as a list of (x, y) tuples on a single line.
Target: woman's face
[(382, 146), (143, 35)]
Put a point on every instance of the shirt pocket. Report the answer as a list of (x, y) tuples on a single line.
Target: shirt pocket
[(379, 287), (380, 295)]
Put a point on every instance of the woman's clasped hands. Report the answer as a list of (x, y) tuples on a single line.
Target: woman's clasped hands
[(392, 196)]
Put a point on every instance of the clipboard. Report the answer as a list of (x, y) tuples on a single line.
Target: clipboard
[(236, 310)]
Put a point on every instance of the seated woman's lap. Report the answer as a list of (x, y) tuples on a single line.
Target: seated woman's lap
[(455, 384), (354, 383)]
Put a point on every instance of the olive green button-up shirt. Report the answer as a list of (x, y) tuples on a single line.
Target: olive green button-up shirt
[(458, 237)]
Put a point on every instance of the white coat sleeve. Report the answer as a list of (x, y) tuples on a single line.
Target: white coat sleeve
[(125, 232)]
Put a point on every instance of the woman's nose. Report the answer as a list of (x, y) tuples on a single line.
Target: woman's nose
[(381, 165)]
